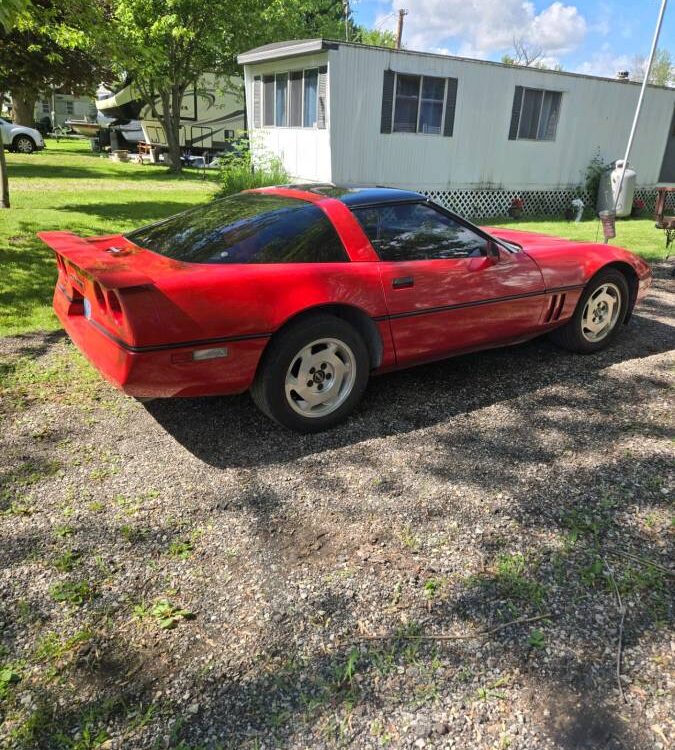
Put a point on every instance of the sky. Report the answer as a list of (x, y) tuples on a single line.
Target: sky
[(599, 37)]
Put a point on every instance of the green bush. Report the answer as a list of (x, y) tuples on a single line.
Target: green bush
[(239, 172)]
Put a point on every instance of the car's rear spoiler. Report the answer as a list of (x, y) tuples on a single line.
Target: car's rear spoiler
[(99, 258)]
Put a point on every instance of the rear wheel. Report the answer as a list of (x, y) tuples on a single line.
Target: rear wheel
[(601, 310), (23, 144), (313, 374)]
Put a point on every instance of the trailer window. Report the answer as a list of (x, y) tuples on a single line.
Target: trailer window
[(418, 104), (295, 99), (535, 114), (245, 228)]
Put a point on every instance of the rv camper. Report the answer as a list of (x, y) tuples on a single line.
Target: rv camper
[(212, 113)]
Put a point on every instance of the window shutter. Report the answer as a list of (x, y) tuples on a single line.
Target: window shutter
[(257, 101), (295, 114), (450, 102), (321, 116), (387, 101), (515, 113)]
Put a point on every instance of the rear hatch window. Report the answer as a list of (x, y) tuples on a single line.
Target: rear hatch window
[(245, 228)]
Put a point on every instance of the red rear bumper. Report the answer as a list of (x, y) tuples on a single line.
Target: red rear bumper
[(153, 372)]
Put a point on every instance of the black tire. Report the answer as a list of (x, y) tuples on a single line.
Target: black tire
[(269, 388), (23, 144), (571, 335)]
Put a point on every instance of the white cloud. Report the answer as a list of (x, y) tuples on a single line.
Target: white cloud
[(484, 27), (605, 63)]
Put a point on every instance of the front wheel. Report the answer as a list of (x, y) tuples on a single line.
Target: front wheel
[(600, 311), (23, 144), (313, 374)]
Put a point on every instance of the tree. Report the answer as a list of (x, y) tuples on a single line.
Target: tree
[(525, 54), (9, 13), (376, 37), (52, 46), (662, 72)]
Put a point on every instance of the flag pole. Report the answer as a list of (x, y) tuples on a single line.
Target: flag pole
[(643, 88)]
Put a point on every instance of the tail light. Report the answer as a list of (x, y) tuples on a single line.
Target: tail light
[(115, 308)]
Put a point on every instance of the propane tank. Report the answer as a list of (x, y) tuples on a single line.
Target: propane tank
[(609, 189)]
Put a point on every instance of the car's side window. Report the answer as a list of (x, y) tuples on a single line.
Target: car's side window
[(416, 231)]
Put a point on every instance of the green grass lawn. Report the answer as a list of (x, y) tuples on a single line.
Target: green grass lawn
[(638, 235), (69, 188)]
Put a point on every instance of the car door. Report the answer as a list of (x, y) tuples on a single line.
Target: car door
[(5, 132), (447, 287)]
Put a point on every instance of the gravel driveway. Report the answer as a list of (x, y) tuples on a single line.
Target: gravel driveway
[(442, 571)]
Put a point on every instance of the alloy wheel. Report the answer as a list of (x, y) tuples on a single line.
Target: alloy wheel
[(601, 312), (320, 377)]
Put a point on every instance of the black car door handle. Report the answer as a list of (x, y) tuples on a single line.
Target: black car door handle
[(403, 282)]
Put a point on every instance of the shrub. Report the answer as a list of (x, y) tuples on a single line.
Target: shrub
[(596, 166), (239, 172)]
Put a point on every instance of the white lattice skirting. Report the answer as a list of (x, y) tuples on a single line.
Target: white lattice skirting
[(486, 204)]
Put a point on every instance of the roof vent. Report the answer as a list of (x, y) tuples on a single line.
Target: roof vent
[(623, 75)]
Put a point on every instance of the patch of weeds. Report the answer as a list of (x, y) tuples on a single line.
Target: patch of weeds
[(409, 539), (102, 472), (96, 506), (593, 573), (53, 649), (72, 592), (65, 562), (431, 587), (536, 639), (24, 611), (513, 580), (133, 533), (181, 548), (166, 615), (9, 676), (18, 508), (23, 476), (63, 531), (586, 523)]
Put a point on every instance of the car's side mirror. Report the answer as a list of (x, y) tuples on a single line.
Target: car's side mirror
[(493, 251)]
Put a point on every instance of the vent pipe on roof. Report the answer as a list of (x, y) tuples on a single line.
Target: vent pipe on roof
[(623, 75)]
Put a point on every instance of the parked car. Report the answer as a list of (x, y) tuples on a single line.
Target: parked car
[(300, 294), (20, 138)]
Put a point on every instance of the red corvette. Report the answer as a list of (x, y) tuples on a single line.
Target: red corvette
[(300, 293)]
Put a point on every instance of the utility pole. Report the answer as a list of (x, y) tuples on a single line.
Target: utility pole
[(399, 31), (345, 7)]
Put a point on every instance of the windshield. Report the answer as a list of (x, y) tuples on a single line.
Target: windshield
[(245, 228)]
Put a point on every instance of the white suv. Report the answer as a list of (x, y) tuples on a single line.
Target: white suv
[(19, 138)]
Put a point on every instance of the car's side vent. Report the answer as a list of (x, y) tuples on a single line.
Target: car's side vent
[(555, 308)]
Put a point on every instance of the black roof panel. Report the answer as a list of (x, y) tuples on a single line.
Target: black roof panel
[(354, 196)]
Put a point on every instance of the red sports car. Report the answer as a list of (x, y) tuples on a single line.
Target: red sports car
[(301, 293)]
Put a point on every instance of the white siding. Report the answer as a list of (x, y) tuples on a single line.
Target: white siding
[(304, 152), (595, 114)]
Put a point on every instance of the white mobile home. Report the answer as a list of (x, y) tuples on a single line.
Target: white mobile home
[(470, 133)]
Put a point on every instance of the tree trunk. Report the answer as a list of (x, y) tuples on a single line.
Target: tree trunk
[(170, 119), (23, 107), (4, 182)]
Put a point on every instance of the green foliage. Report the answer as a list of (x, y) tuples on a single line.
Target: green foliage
[(166, 614), (51, 44), (537, 639), (514, 580), (72, 592), (376, 37), (662, 72), (182, 549), (8, 677), (239, 172), (65, 562), (593, 173)]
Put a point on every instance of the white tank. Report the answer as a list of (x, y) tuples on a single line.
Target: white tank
[(609, 188)]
